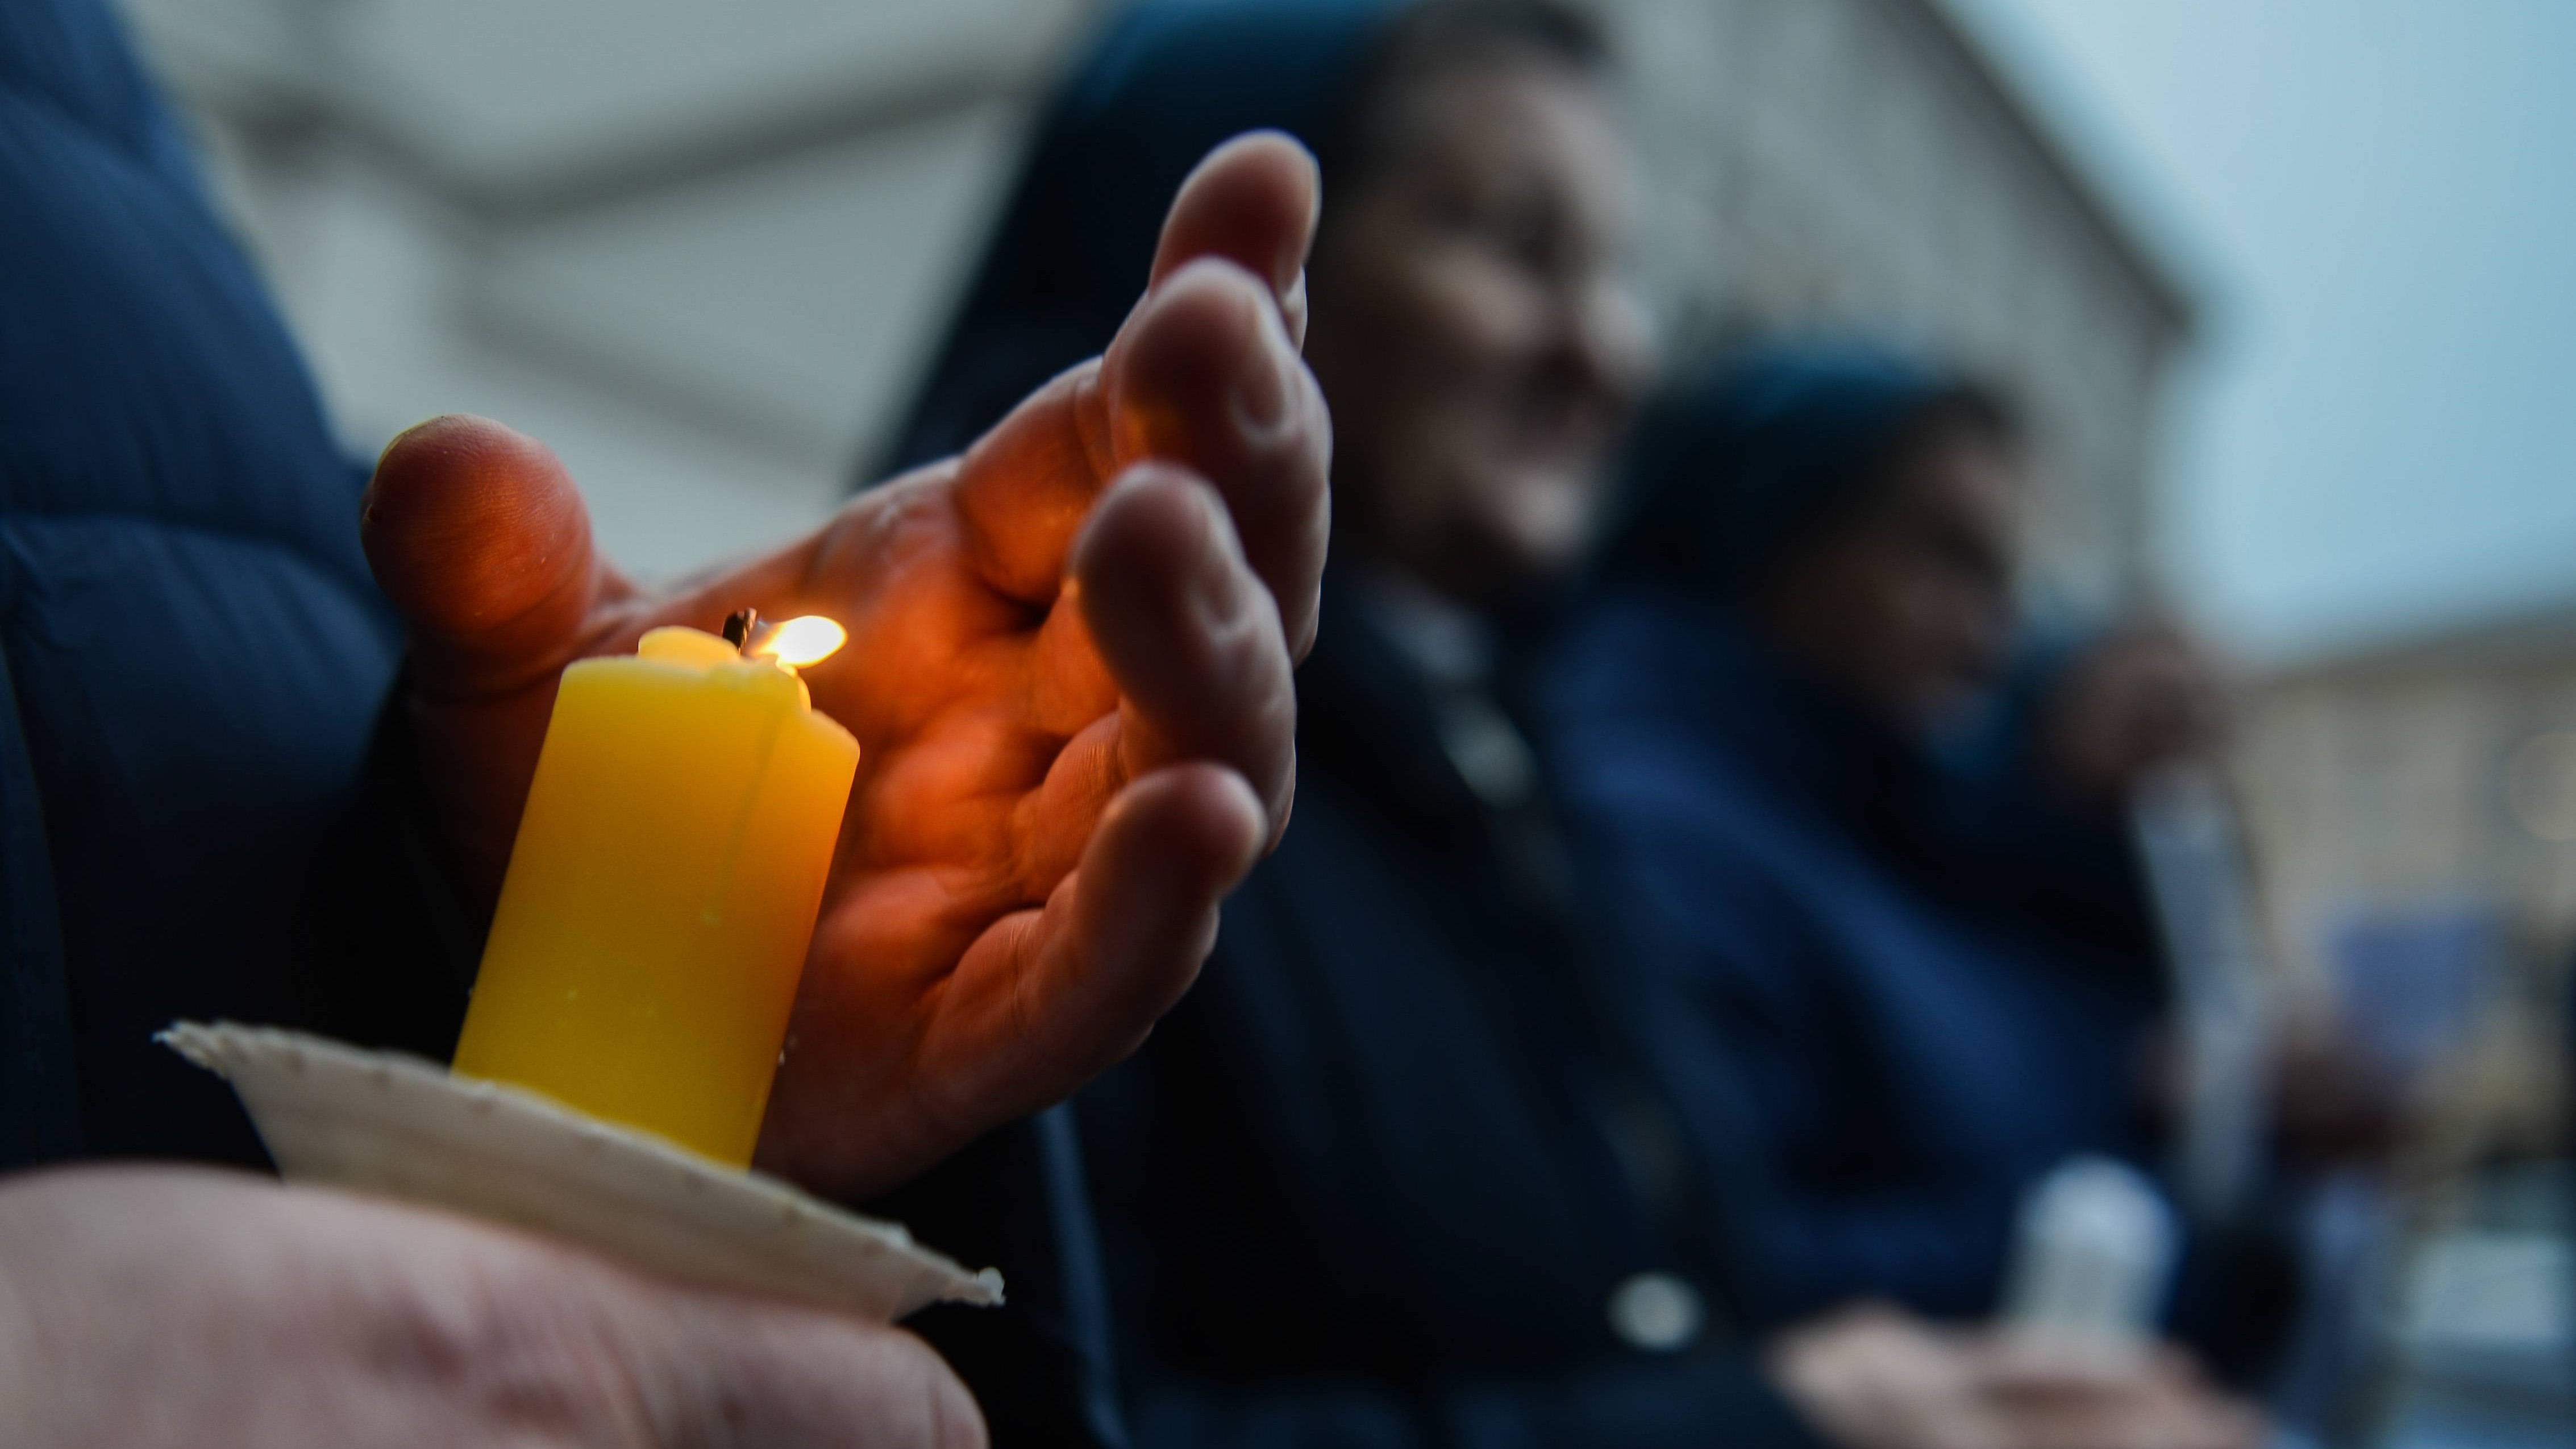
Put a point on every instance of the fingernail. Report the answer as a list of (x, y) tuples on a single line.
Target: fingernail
[(1314, 203), (1263, 386), (1292, 306)]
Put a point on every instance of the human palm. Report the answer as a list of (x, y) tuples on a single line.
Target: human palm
[(1068, 672)]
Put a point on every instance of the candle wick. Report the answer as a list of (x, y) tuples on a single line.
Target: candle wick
[(738, 626)]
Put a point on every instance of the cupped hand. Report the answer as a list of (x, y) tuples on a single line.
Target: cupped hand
[(164, 1308), (2143, 696), (1069, 672), (2046, 1393), (1875, 1377)]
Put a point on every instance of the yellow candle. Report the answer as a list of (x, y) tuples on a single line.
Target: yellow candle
[(662, 891)]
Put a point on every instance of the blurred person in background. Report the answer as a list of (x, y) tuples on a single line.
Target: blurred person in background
[(1876, 832), (201, 627), (1403, 1168)]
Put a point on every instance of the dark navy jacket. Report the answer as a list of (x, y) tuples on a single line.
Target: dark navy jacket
[(1931, 986), (191, 652)]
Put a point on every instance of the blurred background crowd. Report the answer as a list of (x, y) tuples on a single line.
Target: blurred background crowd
[(2267, 303)]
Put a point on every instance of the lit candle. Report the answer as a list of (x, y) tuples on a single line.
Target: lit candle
[(664, 884)]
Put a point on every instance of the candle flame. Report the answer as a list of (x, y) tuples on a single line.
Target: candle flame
[(809, 639)]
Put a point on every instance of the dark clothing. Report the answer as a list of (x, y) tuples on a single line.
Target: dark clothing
[(191, 651), (1377, 1178), (1932, 988), (1913, 982)]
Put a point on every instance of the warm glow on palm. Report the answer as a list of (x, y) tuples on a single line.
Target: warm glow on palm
[(1068, 668)]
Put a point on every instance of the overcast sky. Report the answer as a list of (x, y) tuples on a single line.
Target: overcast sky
[(2376, 200)]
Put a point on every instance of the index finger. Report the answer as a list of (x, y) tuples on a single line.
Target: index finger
[(1254, 201), (732, 1371), (1024, 487)]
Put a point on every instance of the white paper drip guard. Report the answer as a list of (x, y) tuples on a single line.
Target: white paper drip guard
[(398, 1127)]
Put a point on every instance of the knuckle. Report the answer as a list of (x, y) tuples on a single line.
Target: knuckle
[(521, 1346), (817, 1380)]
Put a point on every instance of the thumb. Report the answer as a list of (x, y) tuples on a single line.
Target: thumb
[(737, 1373), (479, 538)]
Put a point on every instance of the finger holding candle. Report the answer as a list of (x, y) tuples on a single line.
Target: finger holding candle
[(480, 540), (155, 1307), (737, 1372), (477, 535)]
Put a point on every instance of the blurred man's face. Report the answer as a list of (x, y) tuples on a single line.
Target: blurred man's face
[(1907, 605), (1474, 332)]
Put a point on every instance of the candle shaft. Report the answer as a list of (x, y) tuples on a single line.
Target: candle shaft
[(662, 892)]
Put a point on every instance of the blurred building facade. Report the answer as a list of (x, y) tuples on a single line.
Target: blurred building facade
[(698, 247), (1864, 166), (2413, 810)]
